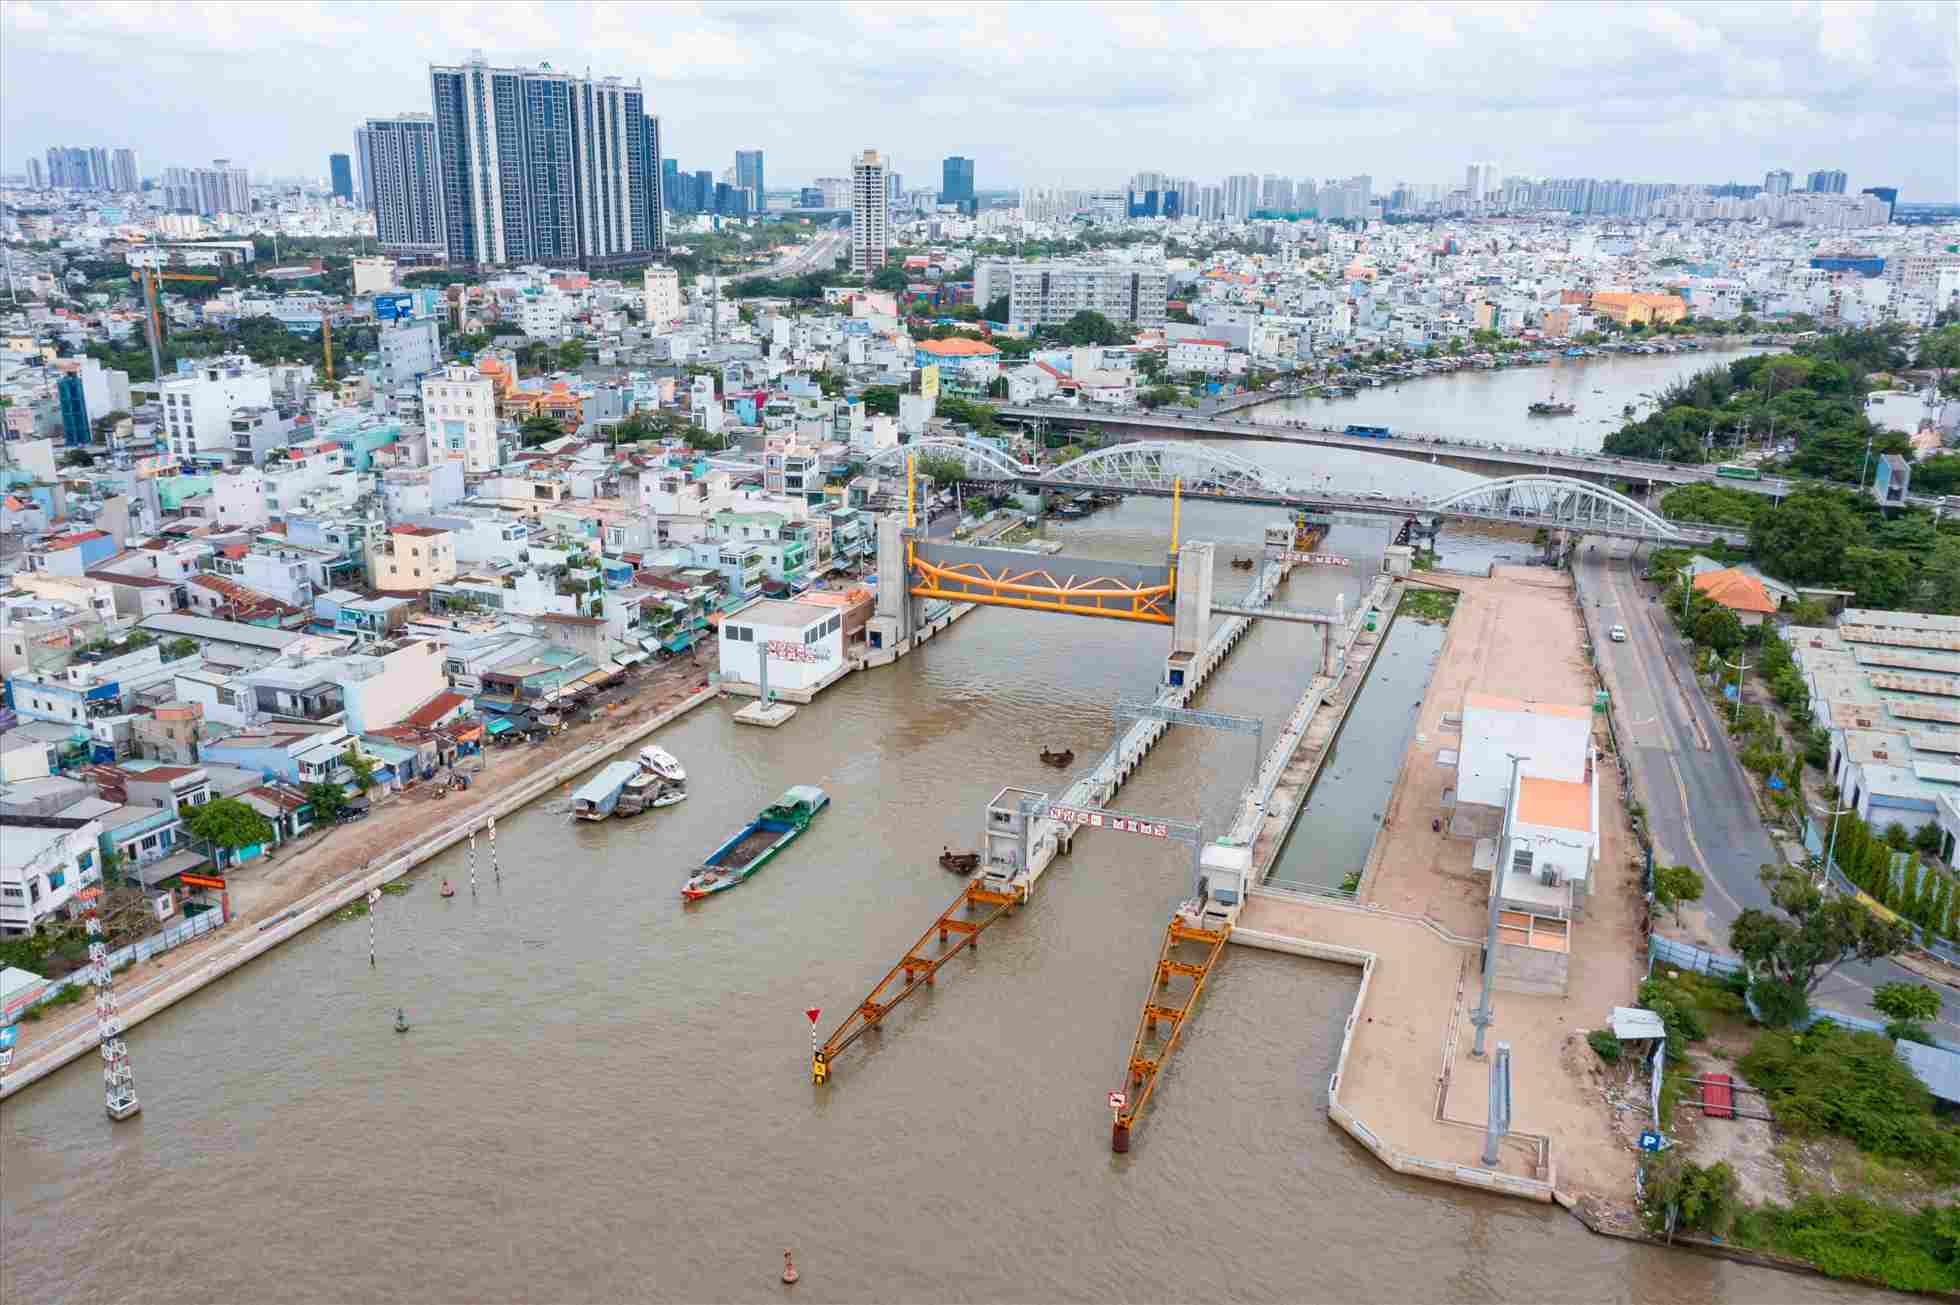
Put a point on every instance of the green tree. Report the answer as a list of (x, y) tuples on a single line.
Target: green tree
[(1906, 1001), (890, 277), (880, 400), (571, 354), (1804, 538), (1158, 395), (997, 309), (327, 800), (1804, 940), (1883, 577), (1674, 885), (1717, 627), (229, 824), (539, 430), (362, 766), (177, 649), (1090, 327)]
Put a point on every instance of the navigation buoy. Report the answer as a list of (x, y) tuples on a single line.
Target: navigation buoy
[(789, 1268), (401, 1020)]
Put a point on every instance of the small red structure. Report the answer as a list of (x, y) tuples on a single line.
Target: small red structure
[(1717, 1097)]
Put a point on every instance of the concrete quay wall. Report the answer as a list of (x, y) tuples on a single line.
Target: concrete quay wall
[(1385, 1149)]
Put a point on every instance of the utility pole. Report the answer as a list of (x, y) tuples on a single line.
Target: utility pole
[(1481, 1018), (1865, 466), (1741, 665)]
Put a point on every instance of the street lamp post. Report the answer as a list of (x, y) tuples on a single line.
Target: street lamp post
[(1481, 1017), (1830, 847)]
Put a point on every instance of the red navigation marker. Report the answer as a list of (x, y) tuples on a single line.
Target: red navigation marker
[(1117, 1101), (813, 1012)]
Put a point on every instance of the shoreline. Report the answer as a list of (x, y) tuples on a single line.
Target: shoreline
[(296, 917)]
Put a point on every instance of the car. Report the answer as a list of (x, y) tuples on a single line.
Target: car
[(1618, 634)]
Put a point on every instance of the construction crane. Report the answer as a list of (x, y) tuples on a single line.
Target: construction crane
[(152, 294)]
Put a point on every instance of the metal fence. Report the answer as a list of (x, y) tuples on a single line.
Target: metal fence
[(1929, 942), (175, 936), (1682, 956)]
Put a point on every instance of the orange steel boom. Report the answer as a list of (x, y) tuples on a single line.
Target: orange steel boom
[(1094, 597), (916, 968), (1140, 1075)]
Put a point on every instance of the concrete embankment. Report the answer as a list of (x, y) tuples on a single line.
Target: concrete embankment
[(351, 887), (1292, 764)]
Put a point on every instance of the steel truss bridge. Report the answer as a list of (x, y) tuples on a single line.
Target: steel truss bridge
[(1158, 467)]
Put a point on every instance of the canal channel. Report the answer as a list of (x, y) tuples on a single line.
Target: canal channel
[(605, 1094)]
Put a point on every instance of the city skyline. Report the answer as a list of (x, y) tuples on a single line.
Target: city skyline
[(1697, 94)]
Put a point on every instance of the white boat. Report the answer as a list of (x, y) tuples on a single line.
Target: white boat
[(663, 763), (668, 797)]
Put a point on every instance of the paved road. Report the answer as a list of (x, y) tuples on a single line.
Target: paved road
[(1699, 805)]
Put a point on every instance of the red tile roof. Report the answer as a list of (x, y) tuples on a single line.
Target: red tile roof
[(434, 709)]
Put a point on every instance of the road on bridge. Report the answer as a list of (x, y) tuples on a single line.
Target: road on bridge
[(1700, 810), (1424, 446)]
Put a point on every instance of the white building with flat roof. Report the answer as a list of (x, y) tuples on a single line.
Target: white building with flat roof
[(459, 413), (808, 639)]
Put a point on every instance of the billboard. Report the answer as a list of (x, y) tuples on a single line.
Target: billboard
[(929, 381), (389, 308)]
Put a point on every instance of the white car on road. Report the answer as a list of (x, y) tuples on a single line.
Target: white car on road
[(1618, 634)]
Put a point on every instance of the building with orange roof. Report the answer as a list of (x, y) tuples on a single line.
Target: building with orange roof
[(1738, 591), (1632, 309), (1527, 789)]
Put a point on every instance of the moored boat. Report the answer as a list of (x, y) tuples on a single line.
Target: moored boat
[(639, 793), (663, 763), (598, 797), (755, 844)]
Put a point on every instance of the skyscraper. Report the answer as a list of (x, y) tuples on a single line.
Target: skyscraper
[(397, 158), (1241, 195), (748, 172), (98, 166), (541, 166), (670, 185), (956, 184), (1778, 182), (1826, 183), (869, 207), (341, 172), (70, 168), (1480, 179), (123, 177), (894, 188), (37, 176), (653, 201)]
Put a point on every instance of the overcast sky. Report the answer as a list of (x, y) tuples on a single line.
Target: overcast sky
[(1048, 93)]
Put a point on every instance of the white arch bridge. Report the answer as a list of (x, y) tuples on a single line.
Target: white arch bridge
[(1157, 466)]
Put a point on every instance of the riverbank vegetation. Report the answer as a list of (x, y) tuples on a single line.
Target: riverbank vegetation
[(1430, 606), (1867, 1162)]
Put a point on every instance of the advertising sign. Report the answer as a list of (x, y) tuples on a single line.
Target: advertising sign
[(389, 308), (929, 381)]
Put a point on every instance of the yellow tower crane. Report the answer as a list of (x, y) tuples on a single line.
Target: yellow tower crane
[(148, 276)]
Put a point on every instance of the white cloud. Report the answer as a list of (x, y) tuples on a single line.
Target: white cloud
[(1045, 92)]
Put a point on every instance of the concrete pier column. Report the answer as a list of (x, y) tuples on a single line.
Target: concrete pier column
[(896, 612), (1191, 617)]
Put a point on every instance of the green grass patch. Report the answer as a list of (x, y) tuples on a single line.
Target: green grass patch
[(1430, 606)]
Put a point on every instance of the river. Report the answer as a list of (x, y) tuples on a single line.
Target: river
[(1473, 405), (606, 1096)]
